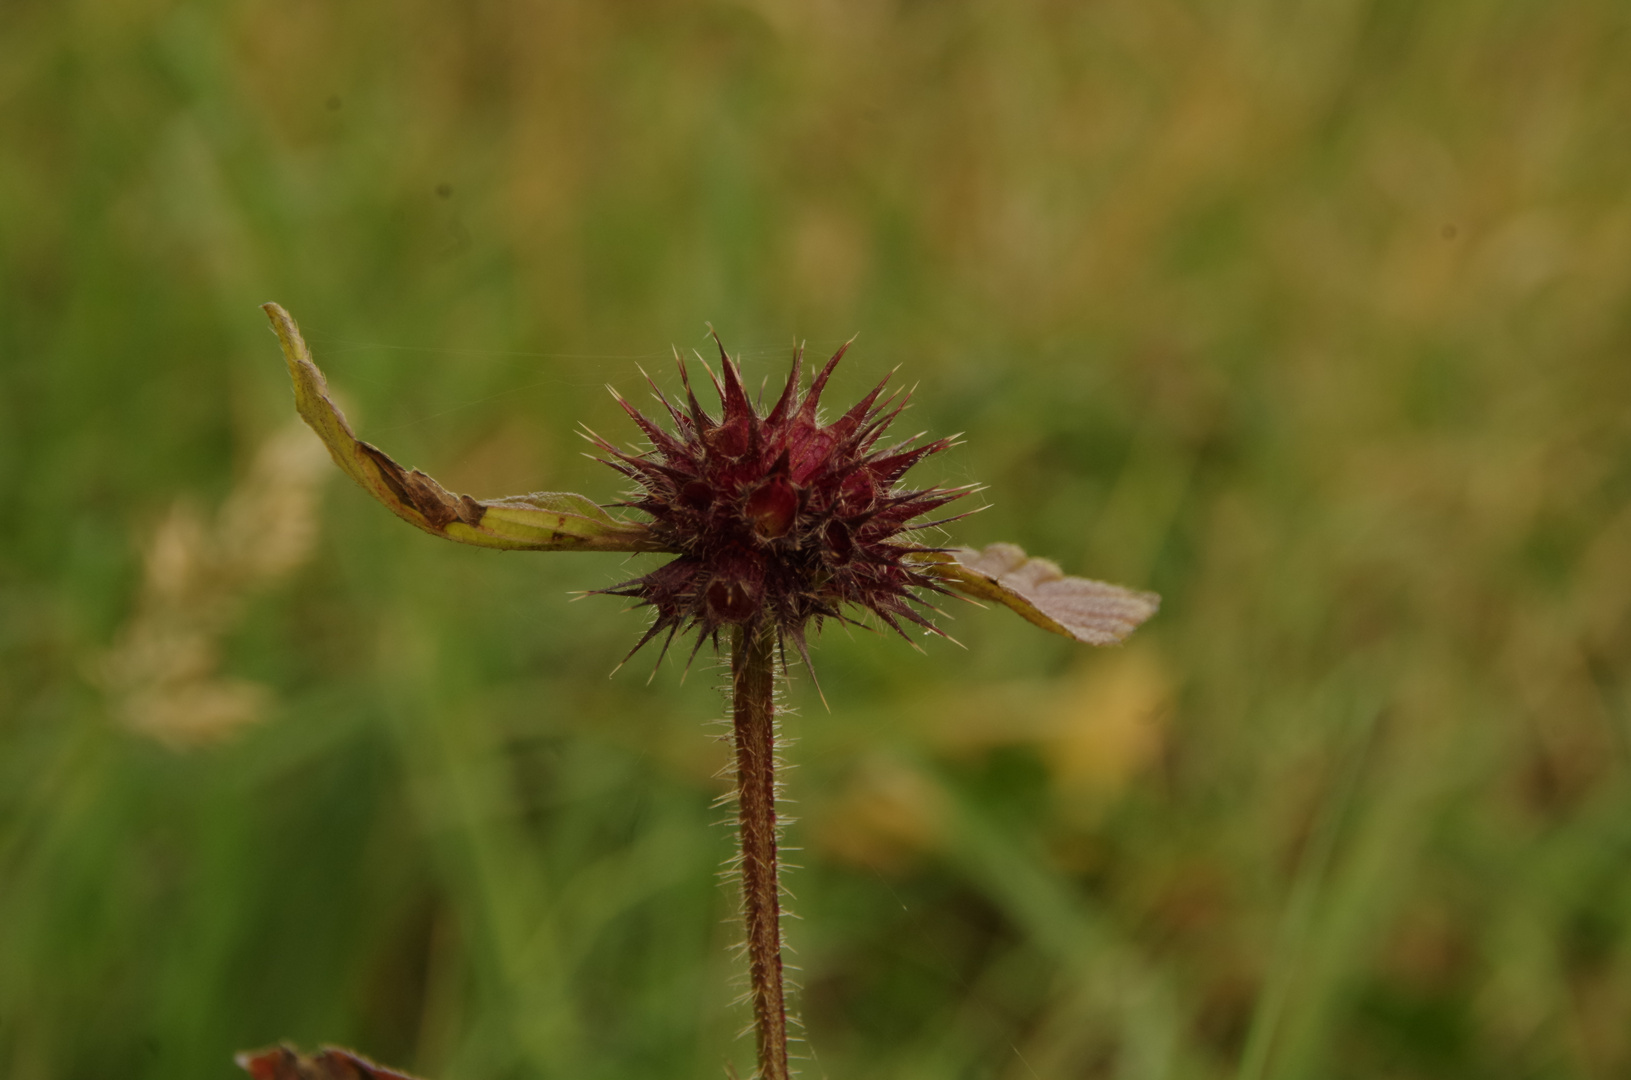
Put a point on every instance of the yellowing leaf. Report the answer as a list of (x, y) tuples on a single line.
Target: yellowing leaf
[(542, 521), (1090, 611)]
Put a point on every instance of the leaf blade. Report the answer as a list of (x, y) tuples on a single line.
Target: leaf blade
[(1092, 612), (541, 521)]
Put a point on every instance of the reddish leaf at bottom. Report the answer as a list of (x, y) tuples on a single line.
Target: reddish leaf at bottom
[(329, 1063)]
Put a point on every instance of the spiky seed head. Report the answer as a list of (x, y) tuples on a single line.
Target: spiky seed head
[(779, 518)]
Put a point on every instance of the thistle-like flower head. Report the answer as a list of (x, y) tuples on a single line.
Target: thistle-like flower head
[(778, 517)]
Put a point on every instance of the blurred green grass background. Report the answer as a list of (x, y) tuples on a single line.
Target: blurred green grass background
[(1314, 317)]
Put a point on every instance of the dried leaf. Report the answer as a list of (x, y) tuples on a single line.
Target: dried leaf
[(542, 521), (330, 1063), (1090, 611)]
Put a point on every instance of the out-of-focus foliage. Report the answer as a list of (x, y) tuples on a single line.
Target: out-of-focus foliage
[(1314, 318)]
